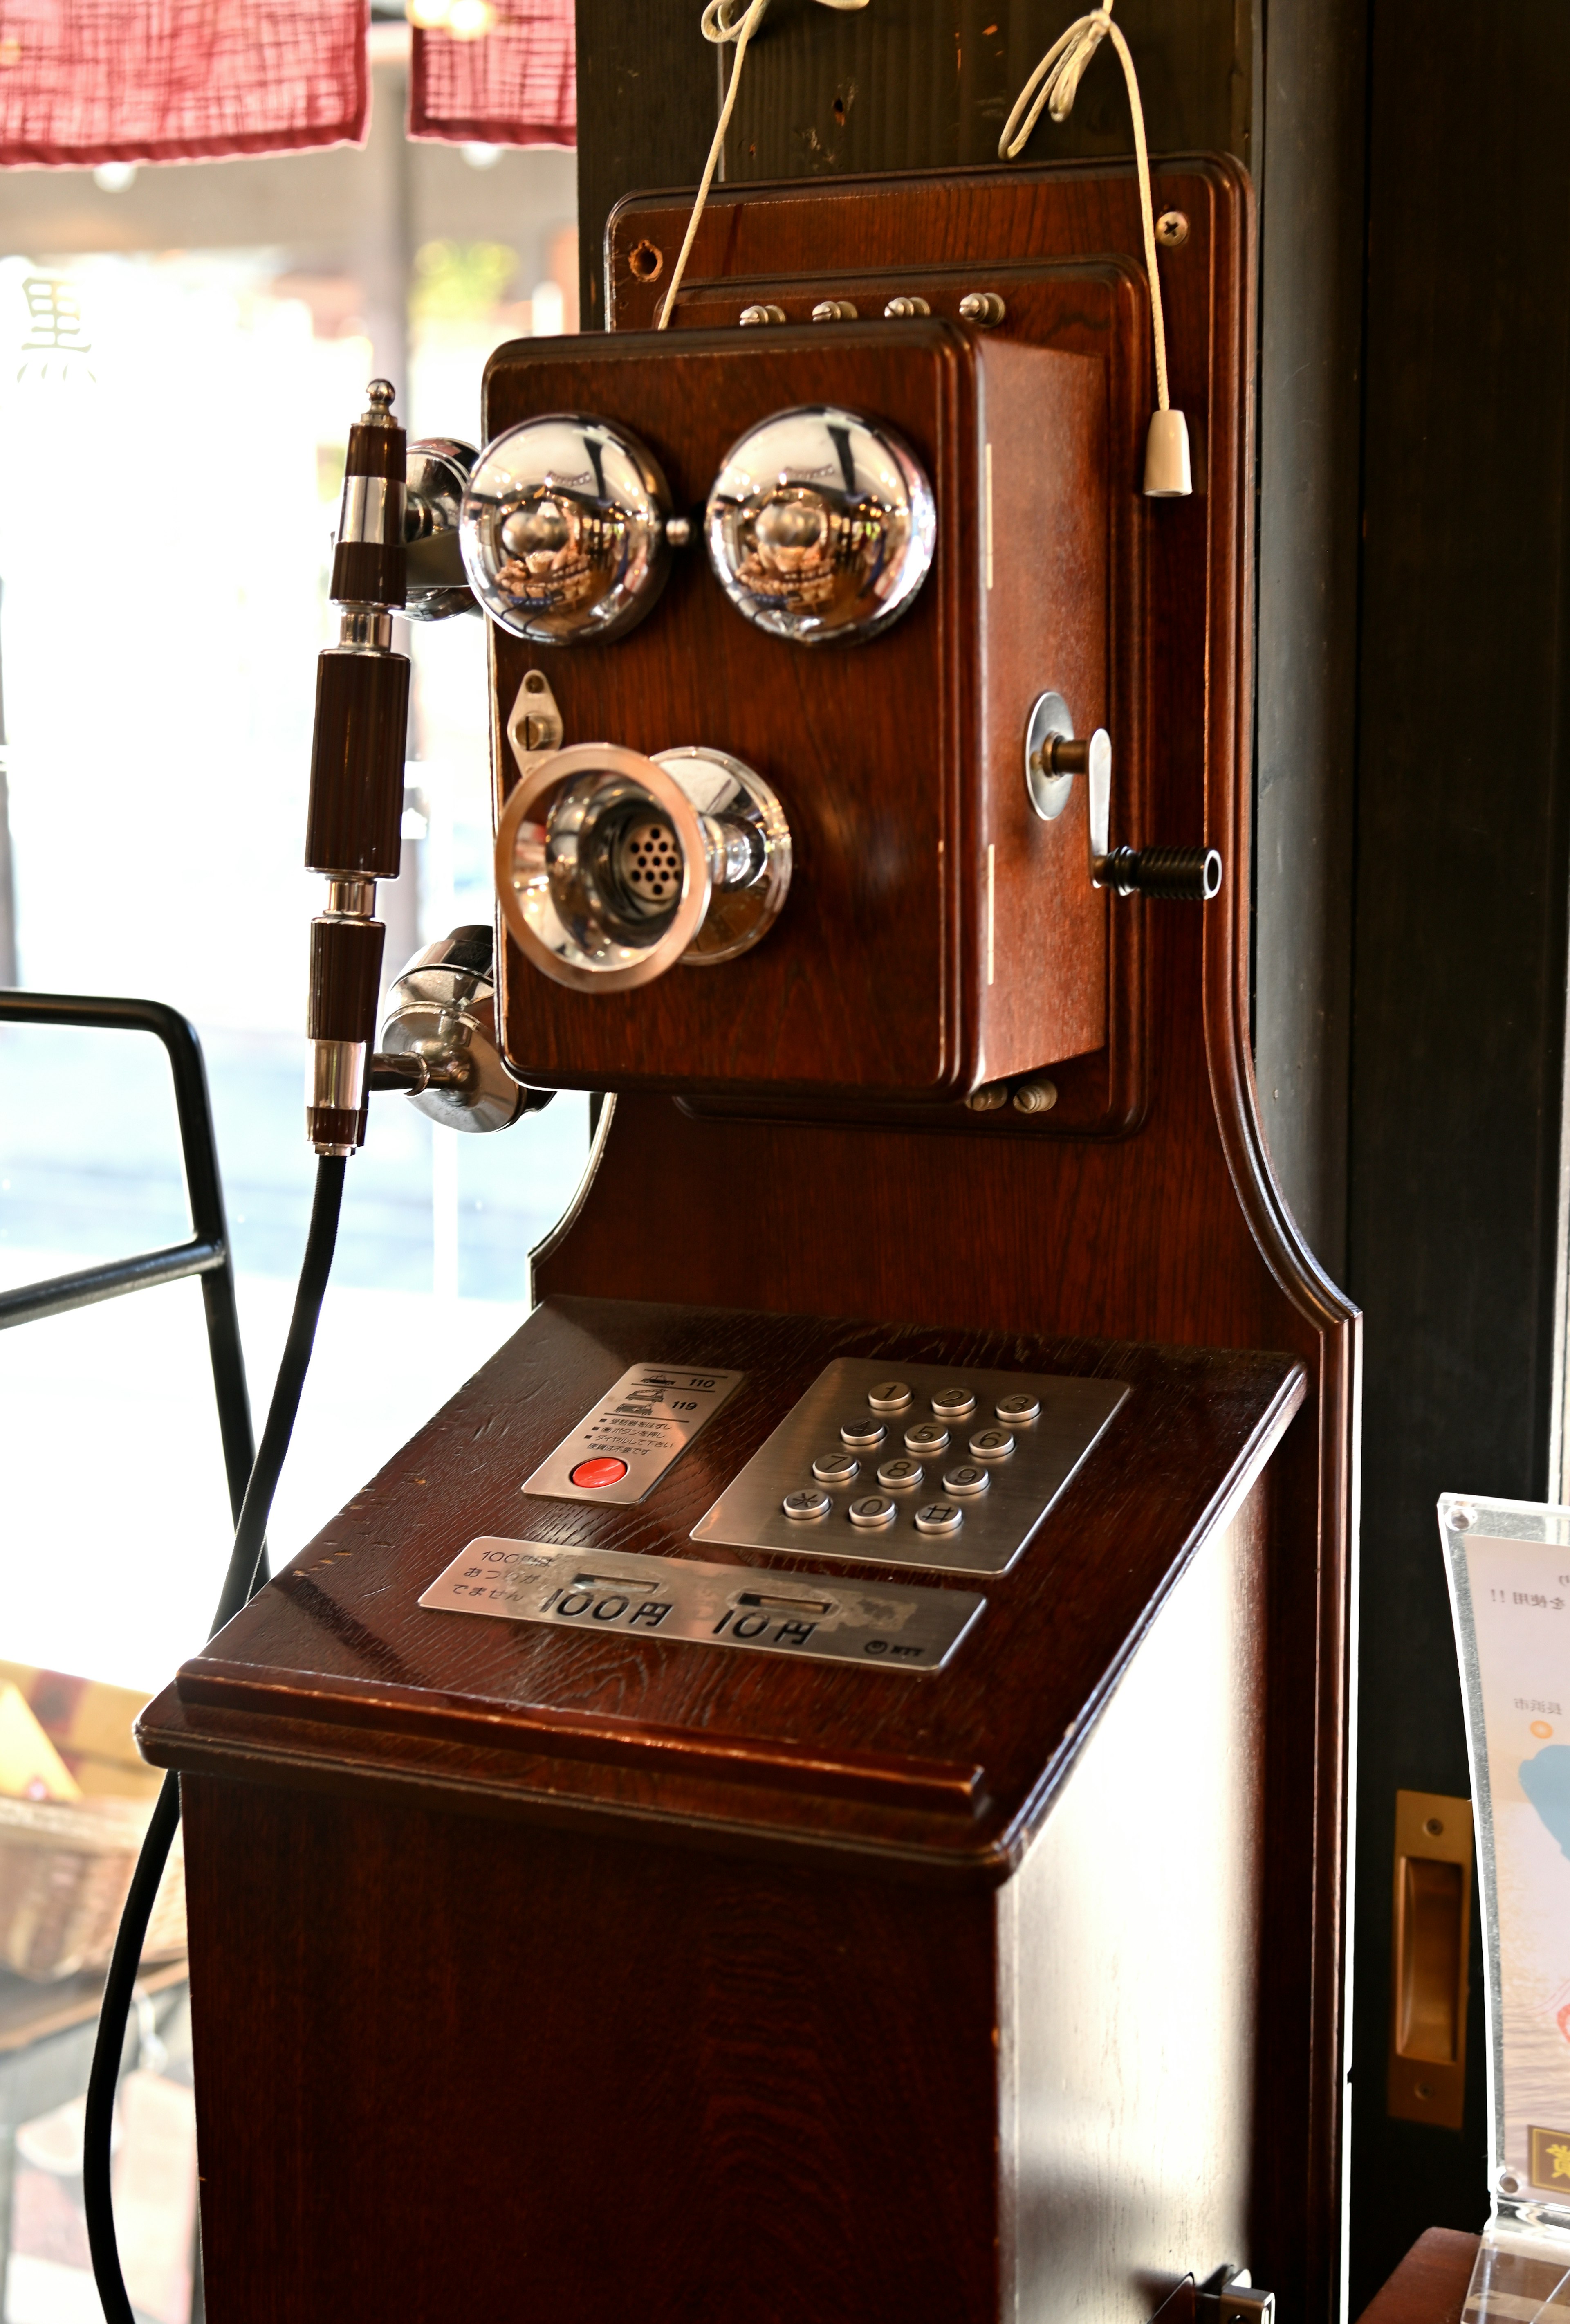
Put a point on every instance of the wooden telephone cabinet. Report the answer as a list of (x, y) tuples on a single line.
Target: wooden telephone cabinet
[(969, 1943), (938, 934)]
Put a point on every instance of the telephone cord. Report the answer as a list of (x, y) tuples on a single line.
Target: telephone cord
[(723, 26), (240, 1582), (1053, 87)]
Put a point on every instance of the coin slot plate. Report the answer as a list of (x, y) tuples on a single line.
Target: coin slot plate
[(614, 1594)]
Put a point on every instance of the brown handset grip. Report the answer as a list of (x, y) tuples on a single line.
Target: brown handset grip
[(345, 979), (356, 817)]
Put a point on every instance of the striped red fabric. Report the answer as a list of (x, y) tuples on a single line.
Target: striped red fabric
[(514, 84), (87, 81)]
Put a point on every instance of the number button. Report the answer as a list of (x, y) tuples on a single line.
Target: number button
[(991, 1443), (926, 1436), (872, 1509), (968, 1480), (903, 1472), (836, 1468), (865, 1430), (953, 1404), (1023, 1406), (889, 1396)]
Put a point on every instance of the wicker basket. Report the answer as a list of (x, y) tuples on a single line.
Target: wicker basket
[(65, 1872)]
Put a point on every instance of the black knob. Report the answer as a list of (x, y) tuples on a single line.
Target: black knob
[(1185, 875)]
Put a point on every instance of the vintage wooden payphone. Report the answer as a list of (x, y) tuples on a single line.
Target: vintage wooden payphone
[(752, 1815)]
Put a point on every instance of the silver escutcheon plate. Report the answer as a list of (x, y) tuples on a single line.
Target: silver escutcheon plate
[(637, 1427), (995, 1523), (609, 1593)]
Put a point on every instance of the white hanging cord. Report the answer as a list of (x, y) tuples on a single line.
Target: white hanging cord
[(721, 24), (1053, 87)]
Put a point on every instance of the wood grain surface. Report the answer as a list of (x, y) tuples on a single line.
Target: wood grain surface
[(336, 1664), (1178, 1232), (774, 2070), (901, 964), (1429, 2286), (367, 1772), (447, 2068)]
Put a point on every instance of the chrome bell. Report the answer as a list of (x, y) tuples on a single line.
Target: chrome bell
[(611, 867), (564, 530), (821, 526)]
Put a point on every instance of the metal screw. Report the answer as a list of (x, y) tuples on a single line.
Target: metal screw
[(989, 1100), (1433, 1826), (1463, 1517), (1035, 1097), (763, 314), (897, 308), (833, 310), (1172, 229), (983, 307)]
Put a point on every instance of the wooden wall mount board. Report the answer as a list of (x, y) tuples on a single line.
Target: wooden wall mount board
[(338, 1664), (937, 933), (1096, 307), (1178, 1232)]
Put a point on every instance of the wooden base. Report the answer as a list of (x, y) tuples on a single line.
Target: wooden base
[(690, 1983)]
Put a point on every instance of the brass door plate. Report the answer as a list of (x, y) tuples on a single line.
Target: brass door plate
[(1430, 1936)]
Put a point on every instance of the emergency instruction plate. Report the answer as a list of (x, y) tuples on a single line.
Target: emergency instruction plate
[(611, 1592), (626, 1444)]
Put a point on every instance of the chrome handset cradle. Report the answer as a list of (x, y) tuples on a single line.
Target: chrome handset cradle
[(439, 468), (438, 1043)]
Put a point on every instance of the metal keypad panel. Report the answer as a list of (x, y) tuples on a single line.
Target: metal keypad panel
[(608, 1592), (955, 1469)]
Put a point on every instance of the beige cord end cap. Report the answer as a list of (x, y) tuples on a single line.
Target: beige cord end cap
[(1168, 473)]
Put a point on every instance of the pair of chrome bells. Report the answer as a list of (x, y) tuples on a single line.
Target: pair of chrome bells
[(820, 528), (612, 867)]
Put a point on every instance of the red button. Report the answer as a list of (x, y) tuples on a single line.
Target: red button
[(599, 1472)]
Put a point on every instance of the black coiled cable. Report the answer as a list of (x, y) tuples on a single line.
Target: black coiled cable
[(239, 1582)]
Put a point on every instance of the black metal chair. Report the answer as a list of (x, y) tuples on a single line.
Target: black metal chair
[(46, 2049), (206, 1254)]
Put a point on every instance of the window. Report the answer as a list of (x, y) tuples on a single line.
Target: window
[(182, 354)]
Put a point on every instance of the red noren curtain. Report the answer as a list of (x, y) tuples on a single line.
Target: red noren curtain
[(87, 81), (513, 86)]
